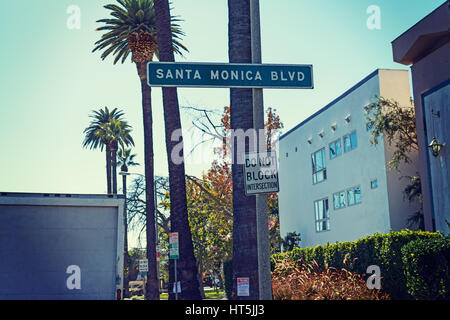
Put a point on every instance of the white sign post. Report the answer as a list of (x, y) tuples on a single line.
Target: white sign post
[(261, 173)]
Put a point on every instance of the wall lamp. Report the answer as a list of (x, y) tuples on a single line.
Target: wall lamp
[(435, 146), (347, 118)]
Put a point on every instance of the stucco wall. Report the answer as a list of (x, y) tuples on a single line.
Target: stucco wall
[(382, 208), (41, 237), (437, 117), (427, 73), (395, 84), (355, 168)]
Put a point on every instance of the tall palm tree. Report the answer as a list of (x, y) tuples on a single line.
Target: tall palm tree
[(106, 130), (178, 206), (245, 255), (117, 132), (125, 160), (132, 30)]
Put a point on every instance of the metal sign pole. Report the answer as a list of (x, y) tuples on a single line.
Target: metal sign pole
[(176, 280), (174, 254), (264, 276)]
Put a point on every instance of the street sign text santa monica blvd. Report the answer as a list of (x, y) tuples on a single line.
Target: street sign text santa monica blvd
[(230, 75)]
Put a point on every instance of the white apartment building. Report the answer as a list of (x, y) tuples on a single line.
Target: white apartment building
[(334, 185)]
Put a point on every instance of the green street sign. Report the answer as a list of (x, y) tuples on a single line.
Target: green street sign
[(174, 252), (230, 75)]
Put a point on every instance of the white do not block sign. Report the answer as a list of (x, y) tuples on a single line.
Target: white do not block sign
[(261, 173), (143, 265)]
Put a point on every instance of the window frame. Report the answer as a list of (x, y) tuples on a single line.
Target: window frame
[(339, 195), (335, 146), (354, 197), (327, 216), (372, 182), (313, 164), (349, 135)]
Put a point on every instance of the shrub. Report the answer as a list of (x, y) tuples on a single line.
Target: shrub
[(307, 281), (383, 250), (426, 266)]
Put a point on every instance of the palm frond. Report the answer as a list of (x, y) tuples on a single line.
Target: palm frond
[(106, 128), (130, 20)]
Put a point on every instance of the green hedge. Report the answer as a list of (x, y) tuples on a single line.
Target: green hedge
[(383, 250), (426, 264)]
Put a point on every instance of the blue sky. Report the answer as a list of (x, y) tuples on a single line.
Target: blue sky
[(50, 81)]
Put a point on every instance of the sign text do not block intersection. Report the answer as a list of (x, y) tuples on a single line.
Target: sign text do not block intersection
[(261, 173), (230, 75)]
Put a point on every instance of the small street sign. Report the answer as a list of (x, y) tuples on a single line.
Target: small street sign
[(243, 287), (173, 246), (143, 265), (230, 75), (261, 173)]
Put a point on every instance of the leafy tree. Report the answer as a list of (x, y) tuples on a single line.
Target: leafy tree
[(274, 223), (137, 204), (108, 129), (137, 219), (132, 29), (134, 255), (211, 217), (290, 241), (397, 124), (214, 128)]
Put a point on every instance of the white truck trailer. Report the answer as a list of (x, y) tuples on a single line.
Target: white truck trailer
[(61, 246)]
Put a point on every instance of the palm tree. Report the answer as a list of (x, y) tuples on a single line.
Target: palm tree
[(178, 205), (245, 255), (107, 130), (132, 30), (116, 132), (126, 160)]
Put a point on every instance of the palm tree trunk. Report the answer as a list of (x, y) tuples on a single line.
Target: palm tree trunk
[(108, 169), (152, 288), (178, 206), (126, 259), (114, 169), (245, 255)]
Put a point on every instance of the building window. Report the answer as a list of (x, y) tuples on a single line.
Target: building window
[(319, 170), (354, 196), (335, 149), (350, 141), (322, 215), (339, 200), (374, 184)]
